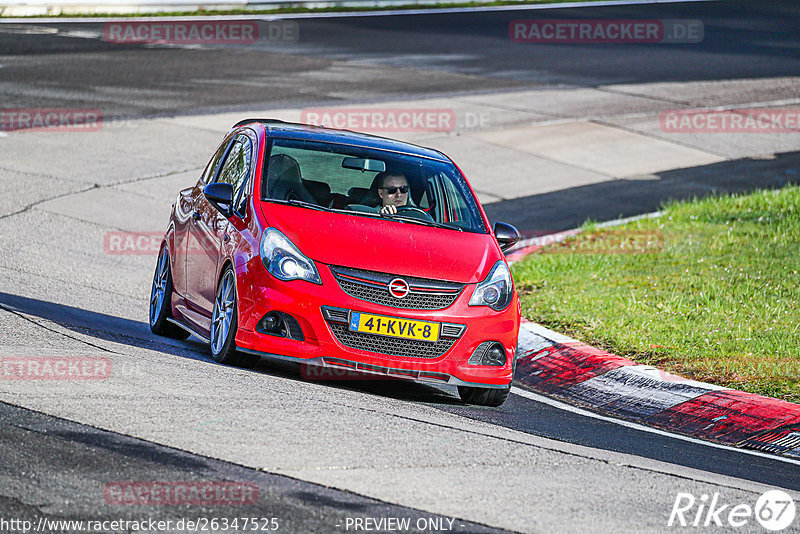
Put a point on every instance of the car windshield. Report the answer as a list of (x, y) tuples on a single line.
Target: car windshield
[(362, 180)]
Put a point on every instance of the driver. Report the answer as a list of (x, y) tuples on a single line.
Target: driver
[(392, 190)]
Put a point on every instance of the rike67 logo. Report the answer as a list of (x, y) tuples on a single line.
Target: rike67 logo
[(774, 510)]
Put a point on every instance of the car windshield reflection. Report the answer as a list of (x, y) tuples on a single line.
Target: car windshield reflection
[(370, 182)]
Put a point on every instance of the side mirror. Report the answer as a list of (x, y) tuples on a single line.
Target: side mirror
[(220, 196), (506, 235)]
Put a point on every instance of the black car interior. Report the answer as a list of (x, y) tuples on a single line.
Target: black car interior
[(284, 181)]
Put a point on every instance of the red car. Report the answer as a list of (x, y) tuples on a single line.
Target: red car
[(342, 250)]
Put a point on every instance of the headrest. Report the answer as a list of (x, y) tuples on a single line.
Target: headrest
[(283, 168)]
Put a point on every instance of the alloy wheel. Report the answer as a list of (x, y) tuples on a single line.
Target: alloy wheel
[(222, 316), (159, 290)]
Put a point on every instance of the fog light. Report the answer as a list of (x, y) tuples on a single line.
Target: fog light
[(489, 353), (496, 355), (272, 324), (277, 323)]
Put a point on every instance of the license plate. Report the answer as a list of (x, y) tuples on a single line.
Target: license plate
[(394, 327)]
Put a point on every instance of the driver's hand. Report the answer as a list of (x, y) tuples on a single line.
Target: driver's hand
[(391, 208)]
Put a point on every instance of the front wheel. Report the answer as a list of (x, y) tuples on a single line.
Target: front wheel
[(484, 396), (224, 323)]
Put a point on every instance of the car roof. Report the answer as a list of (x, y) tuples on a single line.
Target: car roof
[(306, 132)]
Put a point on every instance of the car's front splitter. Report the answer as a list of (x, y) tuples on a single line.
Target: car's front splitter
[(340, 364)]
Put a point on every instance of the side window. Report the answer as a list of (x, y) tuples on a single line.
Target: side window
[(459, 211), (236, 169), (211, 168), (454, 202)]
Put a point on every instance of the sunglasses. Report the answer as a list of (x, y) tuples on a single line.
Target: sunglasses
[(393, 190)]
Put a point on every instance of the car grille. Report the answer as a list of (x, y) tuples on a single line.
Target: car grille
[(423, 294), (392, 346)]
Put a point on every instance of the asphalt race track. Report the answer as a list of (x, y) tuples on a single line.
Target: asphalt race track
[(322, 455), (340, 60)]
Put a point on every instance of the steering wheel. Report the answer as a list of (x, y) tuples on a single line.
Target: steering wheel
[(414, 212)]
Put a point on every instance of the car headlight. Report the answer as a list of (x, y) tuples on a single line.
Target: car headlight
[(284, 260), (496, 290)]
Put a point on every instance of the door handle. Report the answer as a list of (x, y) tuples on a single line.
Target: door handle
[(196, 215)]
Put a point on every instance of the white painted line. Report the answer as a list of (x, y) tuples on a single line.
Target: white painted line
[(635, 426), (386, 13), (81, 34)]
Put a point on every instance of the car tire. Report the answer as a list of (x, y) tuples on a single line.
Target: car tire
[(484, 396), (161, 300), (225, 322)]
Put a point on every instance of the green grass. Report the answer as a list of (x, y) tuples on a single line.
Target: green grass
[(301, 9), (709, 290)]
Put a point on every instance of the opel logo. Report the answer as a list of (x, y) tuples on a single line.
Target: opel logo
[(398, 288)]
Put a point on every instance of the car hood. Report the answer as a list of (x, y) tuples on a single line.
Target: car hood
[(385, 245)]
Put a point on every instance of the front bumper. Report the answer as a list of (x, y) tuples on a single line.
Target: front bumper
[(259, 293)]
